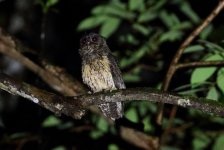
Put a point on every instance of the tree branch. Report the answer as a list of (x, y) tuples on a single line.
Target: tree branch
[(54, 76), (200, 64), (71, 105)]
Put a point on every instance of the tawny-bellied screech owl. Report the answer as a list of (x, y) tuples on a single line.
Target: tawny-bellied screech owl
[(100, 71)]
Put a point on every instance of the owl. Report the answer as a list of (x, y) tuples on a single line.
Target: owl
[(100, 71)]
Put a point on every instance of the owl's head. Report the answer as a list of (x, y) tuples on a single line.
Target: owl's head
[(92, 44)]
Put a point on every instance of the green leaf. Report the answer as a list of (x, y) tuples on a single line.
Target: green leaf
[(220, 79), (131, 78), (174, 19), (143, 108), (218, 120), (202, 74), (134, 57), (132, 115), (206, 32), (158, 5), (118, 4), (212, 94), (219, 143), (166, 18), (170, 36), (192, 91), (18, 135), (51, 121), (66, 125), (115, 7), (187, 10), (113, 147), (98, 9), (169, 19), (142, 29), (199, 144), (211, 46), (41, 3), (91, 22), (182, 26), (96, 134), (109, 26), (133, 75), (50, 3), (200, 141), (131, 39), (46, 5), (59, 148), (193, 48), (102, 124), (114, 11), (136, 5), (147, 124), (147, 16)]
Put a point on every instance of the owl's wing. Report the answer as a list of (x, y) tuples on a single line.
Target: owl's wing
[(116, 73)]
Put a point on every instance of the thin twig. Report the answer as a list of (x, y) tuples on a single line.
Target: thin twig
[(200, 64), (139, 139)]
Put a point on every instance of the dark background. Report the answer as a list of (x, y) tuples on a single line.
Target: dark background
[(21, 121)]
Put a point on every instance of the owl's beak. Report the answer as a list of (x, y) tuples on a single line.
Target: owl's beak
[(89, 47)]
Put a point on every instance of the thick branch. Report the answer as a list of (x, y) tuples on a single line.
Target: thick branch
[(55, 76), (71, 105), (50, 101)]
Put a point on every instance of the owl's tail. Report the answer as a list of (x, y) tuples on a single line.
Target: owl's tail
[(112, 110)]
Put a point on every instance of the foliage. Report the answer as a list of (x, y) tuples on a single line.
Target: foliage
[(209, 79), (46, 5), (145, 26)]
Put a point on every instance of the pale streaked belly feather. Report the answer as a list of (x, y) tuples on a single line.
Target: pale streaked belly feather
[(97, 75)]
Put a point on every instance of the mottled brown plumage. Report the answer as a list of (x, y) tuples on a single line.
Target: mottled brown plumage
[(100, 71)]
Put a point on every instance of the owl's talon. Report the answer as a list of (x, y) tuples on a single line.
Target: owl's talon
[(89, 92)]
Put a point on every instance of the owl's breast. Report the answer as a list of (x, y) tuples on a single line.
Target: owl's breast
[(97, 75)]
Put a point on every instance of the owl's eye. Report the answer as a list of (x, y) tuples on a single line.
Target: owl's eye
[(83, 41), (95, 39)]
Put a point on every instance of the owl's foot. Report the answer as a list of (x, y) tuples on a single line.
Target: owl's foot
[(89, 92)]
